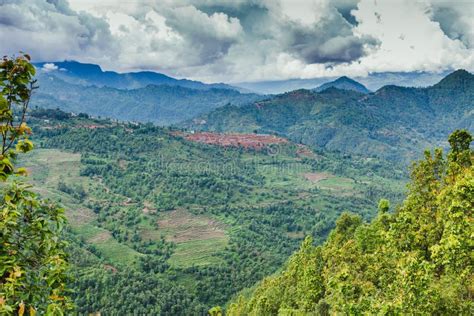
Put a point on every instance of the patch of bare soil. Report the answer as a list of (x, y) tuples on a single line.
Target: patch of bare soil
[(253, 141), (148, 208), (108, 267)]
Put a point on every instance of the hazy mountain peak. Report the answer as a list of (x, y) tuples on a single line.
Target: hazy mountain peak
[(71, 66), (343, 83), (345, 78), (92, 75)]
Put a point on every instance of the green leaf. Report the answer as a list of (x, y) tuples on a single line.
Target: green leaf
[(24, 145)]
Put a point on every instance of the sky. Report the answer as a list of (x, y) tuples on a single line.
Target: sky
[(245, 40)]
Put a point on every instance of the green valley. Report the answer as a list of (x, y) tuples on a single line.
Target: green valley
[(236, 158), (145, 201)]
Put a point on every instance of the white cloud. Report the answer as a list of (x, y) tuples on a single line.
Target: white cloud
[(414, 43), (241, 40), (49, 67)]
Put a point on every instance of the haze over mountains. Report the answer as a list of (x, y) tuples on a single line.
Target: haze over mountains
[(340, 115), (388, 123), (343, 83), (90, 74), (373, 81), (141, 96)]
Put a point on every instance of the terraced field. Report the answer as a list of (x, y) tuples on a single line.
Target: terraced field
[(197, 237), (150, 208), (50, 167)]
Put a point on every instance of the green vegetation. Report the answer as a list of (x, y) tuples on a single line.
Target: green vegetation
[(417, 260), (33, 266), (153, 214), (163, 104), (159, 224), (393, 123)]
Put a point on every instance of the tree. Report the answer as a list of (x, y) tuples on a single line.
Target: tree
[(33, 263), (415, 261)]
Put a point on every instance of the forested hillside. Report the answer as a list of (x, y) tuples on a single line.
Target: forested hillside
[(160, 104), (392, 123), (414, 260), (164, 225)]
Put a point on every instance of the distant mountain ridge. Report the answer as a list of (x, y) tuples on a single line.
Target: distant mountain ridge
[(343, 83), (388, 123), (91, 74), (372, 81), (160, 104)]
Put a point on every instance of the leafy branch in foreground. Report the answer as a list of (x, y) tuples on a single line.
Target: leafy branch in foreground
[(17, 85), (33, 263)]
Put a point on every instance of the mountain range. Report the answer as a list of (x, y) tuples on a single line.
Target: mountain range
[(341, 115), (388, 123), (90, 74), (372, 81), (161, 104)]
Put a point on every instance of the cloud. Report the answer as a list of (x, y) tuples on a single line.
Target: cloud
[(51, 30), (330, 39), (416, 44), (242, 40), (209, 36), (49, 67), (455, 20)]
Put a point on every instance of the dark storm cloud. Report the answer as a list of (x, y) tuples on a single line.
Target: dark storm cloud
[(49, 29), (339, 49), (207, 29), (61, 6), (331, 40), (344, 7), (456, 20), (210, 35)]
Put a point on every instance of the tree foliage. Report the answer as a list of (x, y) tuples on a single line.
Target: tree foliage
[(417, 260), (32, 258), (148, 166)]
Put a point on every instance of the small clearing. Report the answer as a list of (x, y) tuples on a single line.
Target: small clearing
[(181, 226), (248, 141), (100, 237), (317, 176)]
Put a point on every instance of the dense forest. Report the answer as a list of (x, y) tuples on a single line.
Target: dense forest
[(414, 260), (135, 189), (164, 104), (393, 123)]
